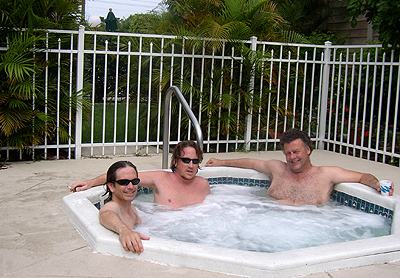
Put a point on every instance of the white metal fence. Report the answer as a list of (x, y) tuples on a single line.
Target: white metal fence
[(244, 95)]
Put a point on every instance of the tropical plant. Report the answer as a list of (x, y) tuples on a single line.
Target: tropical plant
[(226, 23), (384, 16), (17, 67), (232, 20), (304, 16), (23, 119), (35, 14), (239, 19), (27, 113)]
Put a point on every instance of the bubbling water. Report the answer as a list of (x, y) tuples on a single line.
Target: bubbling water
[(243, 218)]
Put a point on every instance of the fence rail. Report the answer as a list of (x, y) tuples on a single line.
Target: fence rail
[(244, 94)]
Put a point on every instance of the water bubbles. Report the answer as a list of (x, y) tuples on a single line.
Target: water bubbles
[(244, 218)]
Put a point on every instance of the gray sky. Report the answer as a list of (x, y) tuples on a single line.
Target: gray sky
[(121, 8)]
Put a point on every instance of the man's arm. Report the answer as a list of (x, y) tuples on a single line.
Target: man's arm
[(130, 240), (266, 167), (373, 182), (370, 180), (247, 163), (83, 185), (146, 180), (342, 175)]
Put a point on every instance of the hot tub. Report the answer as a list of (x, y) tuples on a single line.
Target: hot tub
[(82, 212)]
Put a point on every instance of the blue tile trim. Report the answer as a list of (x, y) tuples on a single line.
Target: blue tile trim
[(360, 204), (144, 190), (239, 181)]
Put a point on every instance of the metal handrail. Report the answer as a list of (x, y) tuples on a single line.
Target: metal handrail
[(189, 112)]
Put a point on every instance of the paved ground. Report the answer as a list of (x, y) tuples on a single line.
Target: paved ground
[(37, 239)]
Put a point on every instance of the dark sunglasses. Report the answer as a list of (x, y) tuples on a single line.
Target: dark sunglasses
[(187, 160), (135, 181)]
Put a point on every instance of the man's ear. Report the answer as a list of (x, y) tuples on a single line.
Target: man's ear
[(308, 150), (111, 186)]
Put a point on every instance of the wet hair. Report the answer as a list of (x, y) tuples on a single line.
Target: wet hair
[(112, 175), (294, 133), (179, 148)]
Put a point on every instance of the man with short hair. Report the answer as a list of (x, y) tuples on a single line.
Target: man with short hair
[(297, 182), (175, 189)]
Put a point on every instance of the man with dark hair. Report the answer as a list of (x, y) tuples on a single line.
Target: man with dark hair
[(293, 134), (297, 182), (118, 213), (175, 189)]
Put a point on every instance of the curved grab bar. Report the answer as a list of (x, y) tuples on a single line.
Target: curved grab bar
[(189, 112)]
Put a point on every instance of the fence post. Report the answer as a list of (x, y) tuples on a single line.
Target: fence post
[(324, 95), (79, 87), (250, 90)]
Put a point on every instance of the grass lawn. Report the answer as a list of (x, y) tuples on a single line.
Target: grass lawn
[(109, 123)]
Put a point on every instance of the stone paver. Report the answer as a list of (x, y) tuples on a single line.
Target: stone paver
[(37, 239)]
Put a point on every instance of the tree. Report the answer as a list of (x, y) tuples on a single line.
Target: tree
[(230, 22), (384, 15), (60, 14), (231, 19), (304, 16), (22, 120), (238, 19)]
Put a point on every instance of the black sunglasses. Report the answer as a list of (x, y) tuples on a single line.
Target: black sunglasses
[(124, 182), (187, 160)]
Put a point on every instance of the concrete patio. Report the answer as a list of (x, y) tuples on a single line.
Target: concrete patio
[(38, 240)]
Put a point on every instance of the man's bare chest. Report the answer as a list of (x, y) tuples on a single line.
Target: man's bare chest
[(131, 219), (311, 189), (175, 196)]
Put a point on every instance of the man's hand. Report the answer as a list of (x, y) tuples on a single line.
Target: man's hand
[(390, 191), (372, 181), (83, 185), (131, 240), (213, 162), (80, 186)]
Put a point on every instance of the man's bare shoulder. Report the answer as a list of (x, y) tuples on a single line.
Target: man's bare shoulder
[(338, 174), (202, 184), (153, 176), (331, 170), (154, 172), (271, 164), (276, 162), (268, 167), (110, 206), (201, 180)]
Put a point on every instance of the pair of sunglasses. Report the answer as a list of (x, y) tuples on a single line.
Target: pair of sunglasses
[(187, 160), (125, 182)]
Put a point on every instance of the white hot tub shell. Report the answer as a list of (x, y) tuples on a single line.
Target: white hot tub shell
[(80, 209)]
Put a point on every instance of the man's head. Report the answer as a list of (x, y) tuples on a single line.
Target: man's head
[(122, 179), (297, 147), (294, 133), (178, 152), (186, 158)]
